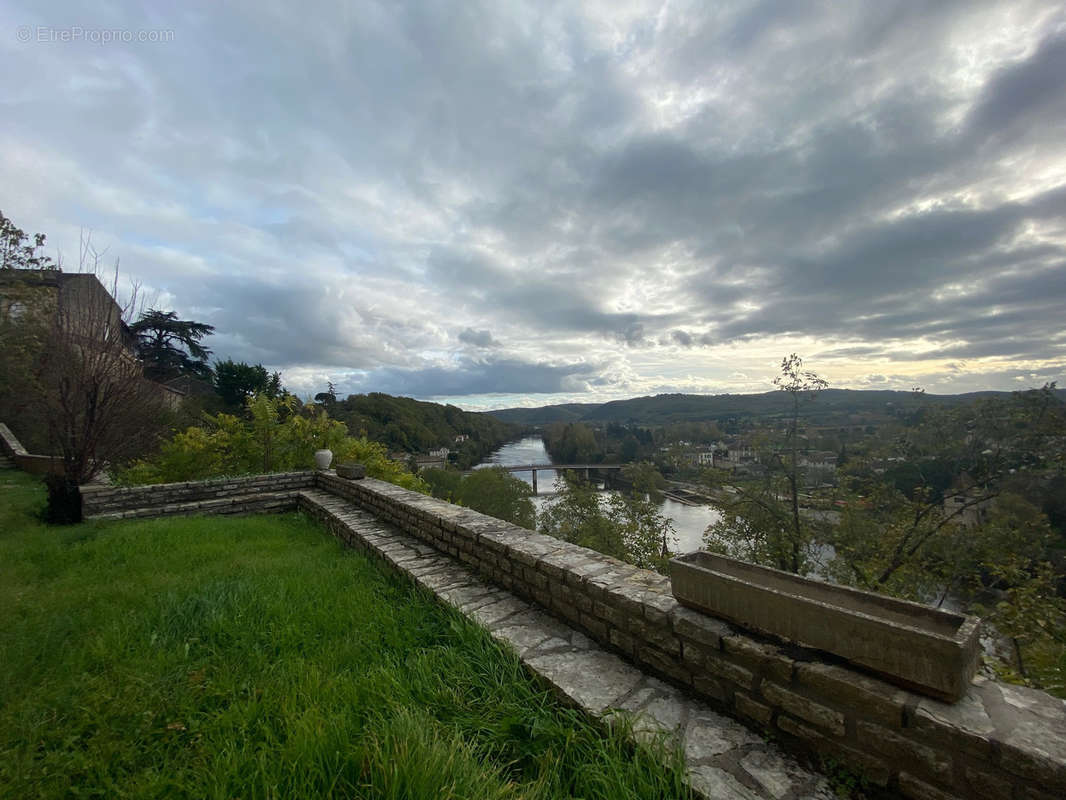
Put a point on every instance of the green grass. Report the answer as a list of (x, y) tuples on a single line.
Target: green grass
[(253, 657)]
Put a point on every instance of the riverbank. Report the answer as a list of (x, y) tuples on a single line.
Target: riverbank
[(689, 519)]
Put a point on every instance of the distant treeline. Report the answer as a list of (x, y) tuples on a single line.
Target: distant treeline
[(730, 410)]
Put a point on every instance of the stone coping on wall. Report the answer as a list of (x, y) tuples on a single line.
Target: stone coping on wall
[(999, 741)]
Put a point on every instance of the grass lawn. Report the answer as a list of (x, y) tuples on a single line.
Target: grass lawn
[(253, 657)]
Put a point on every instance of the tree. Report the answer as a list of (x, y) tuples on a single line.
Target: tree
[(78, 373), (576, 515), (499, 494), (761, 518), (328, 398), (800, 384), (951, 467), (960, 516), (162, 342), (236, 382), (16, 250), (443, 483), (629, 526)]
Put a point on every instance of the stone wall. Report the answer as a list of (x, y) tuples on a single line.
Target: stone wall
[(10, 446), (35, 464), (257, 493), (999, 741)]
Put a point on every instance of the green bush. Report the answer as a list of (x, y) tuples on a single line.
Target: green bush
[(275, 437)]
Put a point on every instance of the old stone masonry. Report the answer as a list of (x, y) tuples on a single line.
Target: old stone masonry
[(726, 761), (612, 640)]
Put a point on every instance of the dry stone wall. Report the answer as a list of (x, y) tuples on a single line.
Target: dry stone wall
[(257, 493), (999, 741)]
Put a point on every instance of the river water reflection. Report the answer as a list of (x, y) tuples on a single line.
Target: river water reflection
[(689, 521)]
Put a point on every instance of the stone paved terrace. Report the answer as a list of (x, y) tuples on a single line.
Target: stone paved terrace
[(726, 760), (608, 635)]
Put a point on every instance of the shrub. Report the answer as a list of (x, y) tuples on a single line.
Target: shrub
[(275, 437)]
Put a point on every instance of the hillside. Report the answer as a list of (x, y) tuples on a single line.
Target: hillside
[(664, 409), (415, 426)]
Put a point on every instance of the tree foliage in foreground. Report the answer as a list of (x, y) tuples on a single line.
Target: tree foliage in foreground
[(491, 491), (761, 519), (945, 505), (626, 525), (275, 436)]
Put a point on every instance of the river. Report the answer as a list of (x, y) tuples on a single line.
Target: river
[(689, 521)]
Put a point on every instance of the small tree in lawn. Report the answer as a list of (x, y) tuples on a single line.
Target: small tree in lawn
[(762, 521), (89, 385)]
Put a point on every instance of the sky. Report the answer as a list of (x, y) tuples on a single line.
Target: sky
[(501, 204)]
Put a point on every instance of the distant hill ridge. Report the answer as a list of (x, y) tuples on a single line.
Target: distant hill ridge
[(663, 409)]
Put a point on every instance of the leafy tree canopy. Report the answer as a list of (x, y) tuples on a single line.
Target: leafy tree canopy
[(19, 251), (170, 347), (236, 382), (625, 525)]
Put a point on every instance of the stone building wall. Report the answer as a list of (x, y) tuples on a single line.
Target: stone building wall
[(999, 741)]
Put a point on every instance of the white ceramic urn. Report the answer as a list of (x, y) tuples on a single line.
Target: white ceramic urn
[(323, 458)]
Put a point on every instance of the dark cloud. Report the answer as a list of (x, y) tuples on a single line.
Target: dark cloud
[(477, 338), (479, 376), (682, 338), (1026, 94)]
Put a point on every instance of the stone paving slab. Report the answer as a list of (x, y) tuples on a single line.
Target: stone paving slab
[(726, 761)]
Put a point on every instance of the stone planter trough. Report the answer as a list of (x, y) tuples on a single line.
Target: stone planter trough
[(922, 648)]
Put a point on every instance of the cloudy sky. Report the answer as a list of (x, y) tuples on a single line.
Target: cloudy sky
[(516, 204)]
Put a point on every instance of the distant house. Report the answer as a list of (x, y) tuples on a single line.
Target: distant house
[(462, 437), (818, 459), (966, 504), (428, 462), (738, 455), (440, 452)]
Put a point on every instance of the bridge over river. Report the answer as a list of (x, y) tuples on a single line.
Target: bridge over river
[(555, 467)]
